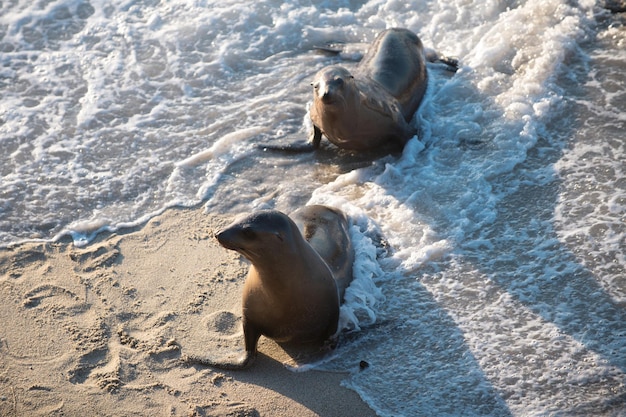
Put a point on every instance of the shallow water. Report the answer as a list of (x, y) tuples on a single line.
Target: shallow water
[(502, 290)]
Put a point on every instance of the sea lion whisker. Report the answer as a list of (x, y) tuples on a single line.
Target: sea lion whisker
[(344, 103)]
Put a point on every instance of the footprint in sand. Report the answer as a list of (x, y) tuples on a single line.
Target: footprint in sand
[(34, 297), (95, 258), (14, 263), (224, 324)]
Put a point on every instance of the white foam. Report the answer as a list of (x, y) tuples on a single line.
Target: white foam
[(220, 147)]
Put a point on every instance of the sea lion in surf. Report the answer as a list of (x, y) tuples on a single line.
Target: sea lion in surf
[(375, 104), (299, 271)]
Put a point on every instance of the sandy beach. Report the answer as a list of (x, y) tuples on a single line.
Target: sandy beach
[(100, 330)]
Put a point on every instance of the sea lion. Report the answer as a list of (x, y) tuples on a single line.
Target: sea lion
[(327, 231), (297, 277), (374, 105)]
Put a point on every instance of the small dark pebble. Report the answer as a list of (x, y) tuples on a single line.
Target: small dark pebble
[(615, 6), (363, 365)]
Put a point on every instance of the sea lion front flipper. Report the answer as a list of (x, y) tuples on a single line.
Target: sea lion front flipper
[(291, 148), (311, 145), (230, 364), (316, 137), (251, 337)]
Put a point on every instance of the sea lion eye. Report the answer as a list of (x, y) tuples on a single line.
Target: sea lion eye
[(339, 81), (248, 233), (316, 85)]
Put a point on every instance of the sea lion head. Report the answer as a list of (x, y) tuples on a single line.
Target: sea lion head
[(259, 235), (331, 85)]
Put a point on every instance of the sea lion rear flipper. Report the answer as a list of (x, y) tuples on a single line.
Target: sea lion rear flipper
[(451, 63), (350, 51), (328, 49)]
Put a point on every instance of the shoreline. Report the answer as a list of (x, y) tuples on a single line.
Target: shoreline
[(99, 330)]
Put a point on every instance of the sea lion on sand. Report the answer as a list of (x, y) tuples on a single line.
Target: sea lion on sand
[(296, 279), (374, 105)]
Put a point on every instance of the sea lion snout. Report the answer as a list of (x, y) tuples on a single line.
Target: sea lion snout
[(328, 91), (227, 238), (329, 84), (249, 232)]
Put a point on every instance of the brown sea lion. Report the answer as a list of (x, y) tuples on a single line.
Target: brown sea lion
[(296, 279), (375, 104)]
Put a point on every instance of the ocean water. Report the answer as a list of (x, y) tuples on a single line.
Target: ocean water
[(491, 252)]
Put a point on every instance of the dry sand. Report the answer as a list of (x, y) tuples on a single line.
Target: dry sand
[(99, 331)]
